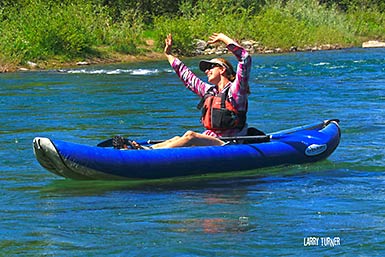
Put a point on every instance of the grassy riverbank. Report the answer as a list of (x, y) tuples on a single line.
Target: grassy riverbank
[(52, 34)]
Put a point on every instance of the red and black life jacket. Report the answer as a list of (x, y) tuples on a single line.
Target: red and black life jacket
[(218, 113)]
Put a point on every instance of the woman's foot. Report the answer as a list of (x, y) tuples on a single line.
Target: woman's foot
[(137, 146)]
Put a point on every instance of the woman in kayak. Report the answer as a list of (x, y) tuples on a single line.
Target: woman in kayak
[(224, 98)]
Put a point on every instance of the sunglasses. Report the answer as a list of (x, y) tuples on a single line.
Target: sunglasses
[(213, 65)]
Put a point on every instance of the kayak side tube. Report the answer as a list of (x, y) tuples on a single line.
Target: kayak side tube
[(76, 161)]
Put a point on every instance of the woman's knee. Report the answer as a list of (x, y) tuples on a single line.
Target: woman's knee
[(175, 138), (190, 134)]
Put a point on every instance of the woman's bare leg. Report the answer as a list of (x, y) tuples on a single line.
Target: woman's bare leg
[(164, 144), (190, 138)]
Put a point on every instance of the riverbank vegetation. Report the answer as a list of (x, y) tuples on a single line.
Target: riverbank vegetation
[(47, 31)]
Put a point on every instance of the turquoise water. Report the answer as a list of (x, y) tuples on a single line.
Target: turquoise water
[(334, 207)]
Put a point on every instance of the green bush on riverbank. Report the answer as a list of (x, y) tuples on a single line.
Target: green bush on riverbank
[(42, 30), (39, 30)]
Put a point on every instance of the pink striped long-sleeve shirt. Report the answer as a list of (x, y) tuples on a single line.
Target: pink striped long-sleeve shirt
[(237, 93)]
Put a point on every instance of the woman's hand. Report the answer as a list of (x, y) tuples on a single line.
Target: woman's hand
[(167, 49), (216, 37), (168, 46)]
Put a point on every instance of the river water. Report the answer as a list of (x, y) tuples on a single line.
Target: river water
[(334, 207)]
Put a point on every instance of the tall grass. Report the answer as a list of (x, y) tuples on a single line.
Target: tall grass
[(306, 22), (293, 23), (201, 20), (42, 30), (367, 23)]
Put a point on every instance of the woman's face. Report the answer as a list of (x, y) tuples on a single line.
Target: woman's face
[(214, 74)]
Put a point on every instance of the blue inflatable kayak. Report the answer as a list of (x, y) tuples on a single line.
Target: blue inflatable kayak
[(298, 145)]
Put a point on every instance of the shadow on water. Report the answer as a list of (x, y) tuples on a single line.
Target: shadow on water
[(217, 181)]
